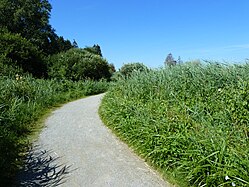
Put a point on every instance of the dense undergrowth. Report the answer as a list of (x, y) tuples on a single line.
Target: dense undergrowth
[(22, 102), (191, 122)]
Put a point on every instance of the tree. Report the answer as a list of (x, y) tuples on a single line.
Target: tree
[(128, 69), (75, 45), (95, 50), (59, 44), (16, 51), (169, 61), (112, 68), (30, 18)]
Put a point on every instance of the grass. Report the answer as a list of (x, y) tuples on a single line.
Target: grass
[(191, 122), (23, 101)]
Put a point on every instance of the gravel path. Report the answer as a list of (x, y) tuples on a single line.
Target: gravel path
[(76, 149)]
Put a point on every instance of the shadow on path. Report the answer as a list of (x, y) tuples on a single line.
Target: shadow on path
[(42, 169)]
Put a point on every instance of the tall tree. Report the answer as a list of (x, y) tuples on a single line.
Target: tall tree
[(30, 18), (75, 44), (18, 52)]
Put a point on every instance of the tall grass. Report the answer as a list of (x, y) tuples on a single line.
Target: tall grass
[(191, 122), (22, 102)]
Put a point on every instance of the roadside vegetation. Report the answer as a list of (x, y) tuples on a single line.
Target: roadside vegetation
[(38, 70), (23, 101), (189, 121)]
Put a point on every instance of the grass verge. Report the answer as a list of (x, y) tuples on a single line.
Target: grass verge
[(23, 102), (191, 122)]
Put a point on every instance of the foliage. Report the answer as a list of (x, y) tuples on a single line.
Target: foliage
[(94, 50), (22, 101), (128, 69), (112, 69), (17, 52), (7, 68), (190, 122), (78, 64), (30, 18)]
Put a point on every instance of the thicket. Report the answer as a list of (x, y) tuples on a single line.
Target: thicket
[(189, 121), (23, 101), (78, 64)]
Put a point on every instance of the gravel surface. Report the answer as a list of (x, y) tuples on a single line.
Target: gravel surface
[(76, 149)]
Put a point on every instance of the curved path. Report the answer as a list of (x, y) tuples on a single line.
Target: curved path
[(76, 149)]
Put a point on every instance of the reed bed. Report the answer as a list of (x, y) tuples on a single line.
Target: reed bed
[(191, 122)]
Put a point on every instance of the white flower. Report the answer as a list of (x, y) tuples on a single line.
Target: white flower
[(219, 90), (227, 178), (233, 184)]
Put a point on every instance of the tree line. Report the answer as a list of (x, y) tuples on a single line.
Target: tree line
[(29, 44)]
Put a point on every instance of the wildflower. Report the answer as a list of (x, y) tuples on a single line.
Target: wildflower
[(219, 90), (233, 184), (227, 178)]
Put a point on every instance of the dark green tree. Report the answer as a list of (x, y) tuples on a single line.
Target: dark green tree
[(75, 44), (95, 49), (16, 51), (30, 18), (112, 68)]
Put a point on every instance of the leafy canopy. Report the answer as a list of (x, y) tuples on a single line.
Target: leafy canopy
[(30, 18), (17, 52)]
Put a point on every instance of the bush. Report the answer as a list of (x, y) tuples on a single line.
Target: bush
[(188, 121), (78, 64), (128, 69), (18, 52)]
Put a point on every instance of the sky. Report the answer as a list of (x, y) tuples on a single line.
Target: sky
[(147, 31)]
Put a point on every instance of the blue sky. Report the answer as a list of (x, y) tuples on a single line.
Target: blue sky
[(147, 30)]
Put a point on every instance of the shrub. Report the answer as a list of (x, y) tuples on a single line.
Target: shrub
[(128, 69), (78, 64)]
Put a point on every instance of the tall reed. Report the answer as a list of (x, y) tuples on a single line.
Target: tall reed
[(189, 121)]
